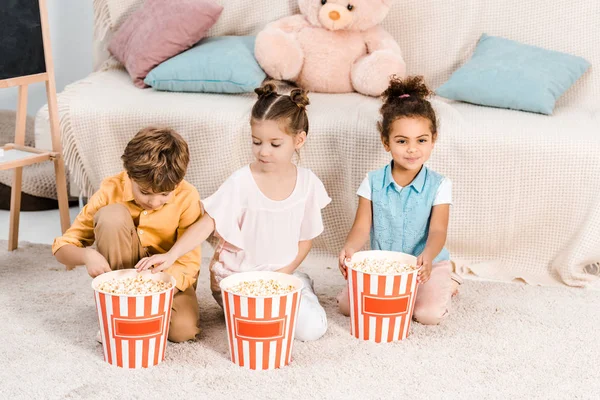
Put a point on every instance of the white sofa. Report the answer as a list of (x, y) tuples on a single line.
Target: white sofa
[(526, 186)]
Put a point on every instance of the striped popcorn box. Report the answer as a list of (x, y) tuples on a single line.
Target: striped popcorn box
[(381, 305), (134, 328), (261, 329)]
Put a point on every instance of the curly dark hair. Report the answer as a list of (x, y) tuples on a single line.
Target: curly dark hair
[(406, 98)]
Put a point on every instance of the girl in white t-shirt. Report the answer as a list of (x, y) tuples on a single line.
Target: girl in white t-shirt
[(265, 214)]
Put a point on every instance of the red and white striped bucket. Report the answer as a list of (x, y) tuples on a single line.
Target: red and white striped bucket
[(134, 329), (381, 306), (261, 329)]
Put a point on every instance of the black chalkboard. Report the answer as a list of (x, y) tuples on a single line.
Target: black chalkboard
[(21, 44)]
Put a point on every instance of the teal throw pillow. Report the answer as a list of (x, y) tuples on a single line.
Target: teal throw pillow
[(224, 64), (507, 74)]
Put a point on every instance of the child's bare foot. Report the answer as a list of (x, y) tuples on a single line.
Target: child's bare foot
[(344, 308), (455, 286), (344, 302), (456, 282)]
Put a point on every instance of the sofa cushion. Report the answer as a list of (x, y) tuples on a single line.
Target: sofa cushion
[(507, 74), (239, 17), (160, 30), (223, 64), (432, 42)]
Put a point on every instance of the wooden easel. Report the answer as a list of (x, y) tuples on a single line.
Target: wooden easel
[(17, 155)]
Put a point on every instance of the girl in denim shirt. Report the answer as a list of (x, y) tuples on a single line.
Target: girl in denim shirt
[(405, 206)]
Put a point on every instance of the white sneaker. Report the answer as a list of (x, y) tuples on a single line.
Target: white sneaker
[(99, 337), (308, 282)]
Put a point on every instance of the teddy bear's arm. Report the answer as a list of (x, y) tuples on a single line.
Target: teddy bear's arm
[(371, 73), (278, 49), (291, 24), (378, 38)]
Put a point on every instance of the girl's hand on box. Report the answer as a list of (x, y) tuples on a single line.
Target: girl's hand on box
[(159, 261), (286, 270), (425, 271), (345, 255), (95, 263)]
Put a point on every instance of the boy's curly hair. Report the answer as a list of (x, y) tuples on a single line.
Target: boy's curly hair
[(156, 159), (406, 98)]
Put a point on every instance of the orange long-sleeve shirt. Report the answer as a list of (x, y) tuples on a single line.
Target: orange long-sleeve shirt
[(158, 230)]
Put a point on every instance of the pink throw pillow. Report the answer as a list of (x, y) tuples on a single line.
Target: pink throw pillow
[(159, 30)]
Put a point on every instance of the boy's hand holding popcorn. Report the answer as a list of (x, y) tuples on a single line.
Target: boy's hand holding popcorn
[(158, 262)]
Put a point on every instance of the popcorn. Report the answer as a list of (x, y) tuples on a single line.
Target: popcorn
[(381, 266), (133, 286), (261, 287)]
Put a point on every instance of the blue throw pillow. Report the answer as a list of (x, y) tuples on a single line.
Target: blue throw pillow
[(223, 64), (507, 74)]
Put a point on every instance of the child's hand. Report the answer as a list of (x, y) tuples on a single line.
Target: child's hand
[(286, 270), (425, 271), (345, 254), (95, 263), (159, 261)]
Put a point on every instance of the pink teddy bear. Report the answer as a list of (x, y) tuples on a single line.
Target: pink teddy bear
[(334, 46)]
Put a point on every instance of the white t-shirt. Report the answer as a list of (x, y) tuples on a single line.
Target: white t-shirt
[(260, 234), (443, 195)]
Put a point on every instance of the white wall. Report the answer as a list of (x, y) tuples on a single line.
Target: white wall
[(71, 31)]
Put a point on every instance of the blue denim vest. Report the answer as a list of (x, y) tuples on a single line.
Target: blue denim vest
[(401, 215)]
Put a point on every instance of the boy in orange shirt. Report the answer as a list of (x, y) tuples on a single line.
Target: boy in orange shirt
[(140, 212)]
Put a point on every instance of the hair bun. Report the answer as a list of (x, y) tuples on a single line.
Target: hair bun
[(266, 90), (410, 88), (299, 97)]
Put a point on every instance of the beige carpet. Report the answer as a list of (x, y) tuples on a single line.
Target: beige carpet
[(501, 341)]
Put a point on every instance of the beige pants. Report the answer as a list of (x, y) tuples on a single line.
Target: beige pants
[(117, 240)]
